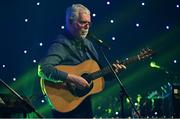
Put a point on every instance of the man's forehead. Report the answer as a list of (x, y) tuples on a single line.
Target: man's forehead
[(83, 15)]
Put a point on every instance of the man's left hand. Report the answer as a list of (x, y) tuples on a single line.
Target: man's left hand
[(118, 67)]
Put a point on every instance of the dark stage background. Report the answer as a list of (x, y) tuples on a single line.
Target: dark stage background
[(27, 27)]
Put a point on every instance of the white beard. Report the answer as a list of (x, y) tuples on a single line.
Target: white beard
[(84, 33)]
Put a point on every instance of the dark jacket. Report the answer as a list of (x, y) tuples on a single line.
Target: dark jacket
[(65, 50)]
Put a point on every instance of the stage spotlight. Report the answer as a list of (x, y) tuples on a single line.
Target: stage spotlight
[(154, 65)]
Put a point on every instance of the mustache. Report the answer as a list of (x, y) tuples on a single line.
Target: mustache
[(85, 30)]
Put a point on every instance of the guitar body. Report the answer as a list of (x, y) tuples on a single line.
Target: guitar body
[(61, 98)]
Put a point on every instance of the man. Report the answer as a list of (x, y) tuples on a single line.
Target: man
[(72, 48)]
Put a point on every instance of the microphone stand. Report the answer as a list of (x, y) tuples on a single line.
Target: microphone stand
[(25, 102), (123, 92)]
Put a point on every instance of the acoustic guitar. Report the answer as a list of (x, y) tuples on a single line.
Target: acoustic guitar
[(65, 97)]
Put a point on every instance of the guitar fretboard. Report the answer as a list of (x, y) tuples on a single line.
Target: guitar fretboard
[(107, 69)]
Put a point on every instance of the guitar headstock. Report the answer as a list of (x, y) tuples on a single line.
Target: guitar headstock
[(145, 52)]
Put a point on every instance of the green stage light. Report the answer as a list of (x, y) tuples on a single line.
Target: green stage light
[(154, 65)]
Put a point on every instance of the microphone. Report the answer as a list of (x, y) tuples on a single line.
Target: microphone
[(100, 42)]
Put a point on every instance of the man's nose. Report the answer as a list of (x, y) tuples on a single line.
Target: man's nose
[(86, 26)]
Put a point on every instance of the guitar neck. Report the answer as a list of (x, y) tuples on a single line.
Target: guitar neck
[(107, 70)]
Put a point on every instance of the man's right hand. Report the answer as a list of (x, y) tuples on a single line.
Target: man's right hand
[(79, 81)]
